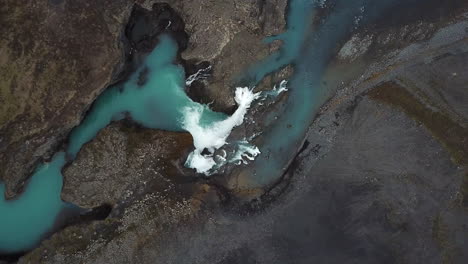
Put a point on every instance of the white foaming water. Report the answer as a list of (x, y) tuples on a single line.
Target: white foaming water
[(244, 151), (213, 136), (276, 90), (208, 138), (321, 3), (199, 75), (282, 87), (202, 164)]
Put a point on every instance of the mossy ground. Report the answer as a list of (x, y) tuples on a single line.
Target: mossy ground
[(450, 134)]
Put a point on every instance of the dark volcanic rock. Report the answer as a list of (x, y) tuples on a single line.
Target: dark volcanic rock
[(146, 25), (135, 170), (120, 162), (55, 57), (59, 59)]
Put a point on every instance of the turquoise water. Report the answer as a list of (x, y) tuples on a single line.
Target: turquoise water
[(158, 103), (24, 221), (298, 24), (309, 50), (280, 141), (155, 104)]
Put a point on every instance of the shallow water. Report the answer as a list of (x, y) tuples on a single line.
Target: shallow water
[(309, 48)]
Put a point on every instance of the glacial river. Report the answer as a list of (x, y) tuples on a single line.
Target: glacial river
[(154, 97)]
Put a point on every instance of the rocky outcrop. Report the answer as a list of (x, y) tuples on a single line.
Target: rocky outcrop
[(56, 57), (72, 51), (157, 209), (259, 20), (134, 170), (120, 162), (229, 35)]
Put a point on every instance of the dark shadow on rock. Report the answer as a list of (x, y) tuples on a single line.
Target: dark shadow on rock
[(6, 258), (145, 27)]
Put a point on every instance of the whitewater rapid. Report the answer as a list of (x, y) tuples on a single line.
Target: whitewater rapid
[(207, 138)]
